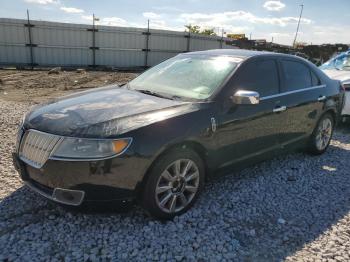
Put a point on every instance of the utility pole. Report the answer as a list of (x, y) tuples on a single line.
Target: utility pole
[(296, 33), (250, 36)]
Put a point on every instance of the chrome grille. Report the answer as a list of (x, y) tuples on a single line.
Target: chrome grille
[(36, 147)]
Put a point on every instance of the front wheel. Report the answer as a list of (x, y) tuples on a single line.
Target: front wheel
[(322, 135), (173, 184)]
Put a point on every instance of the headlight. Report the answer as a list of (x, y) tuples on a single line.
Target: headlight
[(89, 149)]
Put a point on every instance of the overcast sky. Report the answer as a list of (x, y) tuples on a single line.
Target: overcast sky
[(324, 21)]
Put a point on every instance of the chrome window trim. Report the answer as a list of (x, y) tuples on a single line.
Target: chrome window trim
[(291, 92)]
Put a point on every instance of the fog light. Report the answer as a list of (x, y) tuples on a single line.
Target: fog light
[(67, 196)]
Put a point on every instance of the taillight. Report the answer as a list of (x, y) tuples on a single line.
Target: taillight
[(346, 86)]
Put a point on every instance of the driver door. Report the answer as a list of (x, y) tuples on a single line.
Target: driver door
[(250, 130)]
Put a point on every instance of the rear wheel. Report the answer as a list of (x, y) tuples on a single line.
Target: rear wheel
[(173, 184), (322, 135)]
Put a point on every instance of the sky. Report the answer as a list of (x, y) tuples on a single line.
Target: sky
[(323, 21)]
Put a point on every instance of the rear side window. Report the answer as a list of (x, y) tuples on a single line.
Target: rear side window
[(260, 76), (297, 75)]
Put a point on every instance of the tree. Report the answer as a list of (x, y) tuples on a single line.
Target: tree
[(193, 28), (208, 32)]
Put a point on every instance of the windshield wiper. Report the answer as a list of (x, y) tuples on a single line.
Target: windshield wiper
[(152, 93)]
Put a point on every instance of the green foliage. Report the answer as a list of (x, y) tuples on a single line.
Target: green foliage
[(208, 32), (195, 29)]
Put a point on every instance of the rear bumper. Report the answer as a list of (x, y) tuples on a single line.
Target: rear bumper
[(72, 183), (346, 105)]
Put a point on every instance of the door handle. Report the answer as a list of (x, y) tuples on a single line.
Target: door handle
[(279, 109), (321, 98)]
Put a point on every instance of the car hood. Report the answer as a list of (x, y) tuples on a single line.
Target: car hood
[(103, 112), (338, 74)]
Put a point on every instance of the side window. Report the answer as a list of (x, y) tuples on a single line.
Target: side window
[(297, 75), (260, 76), (315, 80)]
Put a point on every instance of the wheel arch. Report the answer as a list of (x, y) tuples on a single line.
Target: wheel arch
[(332, 112)]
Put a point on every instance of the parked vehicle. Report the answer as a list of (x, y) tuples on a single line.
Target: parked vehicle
[(339, 68), (159, 137)]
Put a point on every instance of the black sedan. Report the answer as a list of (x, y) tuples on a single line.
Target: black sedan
[(158, 138)]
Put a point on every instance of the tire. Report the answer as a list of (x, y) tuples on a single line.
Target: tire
[(322, 135), (167, 192)]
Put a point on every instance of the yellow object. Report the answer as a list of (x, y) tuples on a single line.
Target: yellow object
[(236, 36), (120, 145)]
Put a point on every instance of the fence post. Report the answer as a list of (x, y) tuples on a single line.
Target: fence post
[(93, 42), (222, 38), (30, 45), (188, 41), (93, 47), (146, 50)]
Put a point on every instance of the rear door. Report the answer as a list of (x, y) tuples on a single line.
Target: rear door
[(302, 96), (246, 131)]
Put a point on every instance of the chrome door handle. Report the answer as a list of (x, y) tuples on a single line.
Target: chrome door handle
[(279, 109), (321, 98)]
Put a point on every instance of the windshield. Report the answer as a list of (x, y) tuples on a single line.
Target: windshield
[(341, 62), (195, 77)]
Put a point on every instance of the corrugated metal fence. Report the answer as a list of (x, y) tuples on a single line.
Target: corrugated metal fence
[(62, 44)]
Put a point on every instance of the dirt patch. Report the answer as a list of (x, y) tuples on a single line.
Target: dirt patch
[(37, 86)]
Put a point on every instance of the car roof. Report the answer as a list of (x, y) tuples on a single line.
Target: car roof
[(241, 53)]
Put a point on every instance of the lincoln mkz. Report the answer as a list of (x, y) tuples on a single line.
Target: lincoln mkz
[(158, 138)]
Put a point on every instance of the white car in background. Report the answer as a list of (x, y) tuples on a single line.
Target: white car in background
[(338, 68)]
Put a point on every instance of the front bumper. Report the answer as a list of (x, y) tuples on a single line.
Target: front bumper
[(73, 183), (60, 195)]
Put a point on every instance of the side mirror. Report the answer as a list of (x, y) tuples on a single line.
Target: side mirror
[(244, 97)]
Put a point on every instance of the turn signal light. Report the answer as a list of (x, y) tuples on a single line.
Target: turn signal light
[(120, 145)]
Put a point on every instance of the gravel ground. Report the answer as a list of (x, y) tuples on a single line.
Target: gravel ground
[(292, 208)]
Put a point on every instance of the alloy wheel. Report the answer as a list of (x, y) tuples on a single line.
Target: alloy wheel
[(177, 185), (324, 133)]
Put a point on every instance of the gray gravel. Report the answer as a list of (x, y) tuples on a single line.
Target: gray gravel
[(295, 207)]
